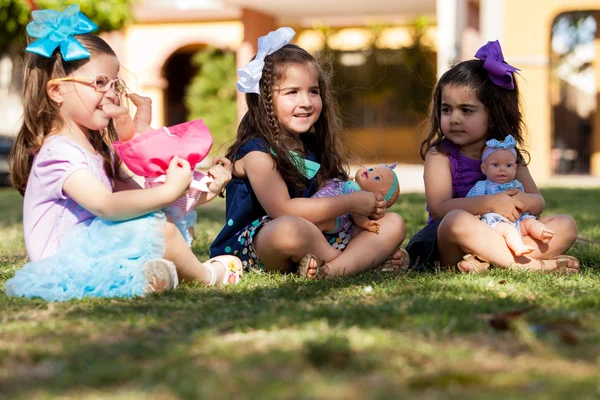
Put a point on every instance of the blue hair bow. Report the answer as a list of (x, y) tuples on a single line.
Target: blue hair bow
[(493, 61), (509, 144), (250, 75), (56, 29)]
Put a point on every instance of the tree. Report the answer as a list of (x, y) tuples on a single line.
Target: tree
[(14, 16), (211, 94)]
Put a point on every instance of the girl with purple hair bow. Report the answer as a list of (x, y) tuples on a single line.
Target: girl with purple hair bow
[(473, 102)]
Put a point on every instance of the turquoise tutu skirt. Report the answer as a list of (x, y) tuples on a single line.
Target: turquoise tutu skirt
[(104, 259)]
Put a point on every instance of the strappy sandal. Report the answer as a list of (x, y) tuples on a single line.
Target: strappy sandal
[(304, 263), (161, 275), (477, 264), (388, 264), (233, 270), (562, 263)]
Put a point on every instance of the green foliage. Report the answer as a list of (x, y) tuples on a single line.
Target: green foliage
[(383, 87), (211, 94), (14, 15)]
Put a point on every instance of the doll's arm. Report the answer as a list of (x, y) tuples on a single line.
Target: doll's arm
[(126, 127), (366, 223)]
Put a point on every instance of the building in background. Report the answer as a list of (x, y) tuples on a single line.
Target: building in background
[(368, 37)]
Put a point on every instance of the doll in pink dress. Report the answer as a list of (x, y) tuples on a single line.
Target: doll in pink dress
[(148, 155)]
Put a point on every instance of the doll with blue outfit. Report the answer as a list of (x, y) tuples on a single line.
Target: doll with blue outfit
[(499, 165)]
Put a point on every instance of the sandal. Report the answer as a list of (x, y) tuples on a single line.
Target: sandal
[(233, 270), (161, 275), (476, 264), (304, 263), (388, 264), (562, 264)]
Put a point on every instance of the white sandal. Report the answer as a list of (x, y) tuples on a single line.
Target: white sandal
[(233, 270), (161, 275)]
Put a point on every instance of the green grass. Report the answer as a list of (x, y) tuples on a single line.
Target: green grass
[(377, 335)]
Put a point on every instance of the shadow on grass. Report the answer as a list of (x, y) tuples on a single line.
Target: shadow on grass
[(152, 336)]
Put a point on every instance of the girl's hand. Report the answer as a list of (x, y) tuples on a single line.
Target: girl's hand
[(221, 174), (179, 177), (506, 205), (524, 201), (369, 204)]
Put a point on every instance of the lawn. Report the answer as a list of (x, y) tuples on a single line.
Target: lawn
[(377, 335)]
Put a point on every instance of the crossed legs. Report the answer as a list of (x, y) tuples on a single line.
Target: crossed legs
[(286, 240), (461, 232)]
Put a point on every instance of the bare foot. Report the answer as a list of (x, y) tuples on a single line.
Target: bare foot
[(372, 226)]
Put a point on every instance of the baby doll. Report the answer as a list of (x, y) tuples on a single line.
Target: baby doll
[(148, 155), (499, 164), (381, 179)]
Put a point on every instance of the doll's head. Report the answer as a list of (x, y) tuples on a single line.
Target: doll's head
[(381, 179), (499, 160)]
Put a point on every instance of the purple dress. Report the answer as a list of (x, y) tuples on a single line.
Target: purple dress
[(465, 172)]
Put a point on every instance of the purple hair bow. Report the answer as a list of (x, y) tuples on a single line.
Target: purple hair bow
[(498, 69)]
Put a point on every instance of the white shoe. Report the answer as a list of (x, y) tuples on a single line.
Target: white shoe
[(161, 275)]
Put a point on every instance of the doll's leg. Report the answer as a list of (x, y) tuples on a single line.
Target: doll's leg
[(536, 229), (461, 232), (367, 249), (284, 241), (513, 238), (565, 233)]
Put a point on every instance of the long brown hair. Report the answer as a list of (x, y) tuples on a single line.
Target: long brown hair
[(260, 121), (503, 106), (41, 116)]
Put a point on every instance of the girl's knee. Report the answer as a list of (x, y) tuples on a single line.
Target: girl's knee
[(394, 224), (455, 223), (287, 232), (567, 227)]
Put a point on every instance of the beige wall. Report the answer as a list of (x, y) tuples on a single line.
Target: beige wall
[(527, 33), (143, 50)]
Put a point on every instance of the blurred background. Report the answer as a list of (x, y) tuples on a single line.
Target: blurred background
[(386, 56)]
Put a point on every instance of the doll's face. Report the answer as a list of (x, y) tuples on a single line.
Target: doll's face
[(500, 166), (377, 179)]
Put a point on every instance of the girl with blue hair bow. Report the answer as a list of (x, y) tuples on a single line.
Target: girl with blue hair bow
[(90, 230), (499, 165)]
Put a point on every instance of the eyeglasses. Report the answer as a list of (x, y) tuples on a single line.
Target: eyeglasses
[(101, 83)]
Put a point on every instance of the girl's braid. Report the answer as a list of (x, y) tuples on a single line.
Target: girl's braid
[(267, 90)]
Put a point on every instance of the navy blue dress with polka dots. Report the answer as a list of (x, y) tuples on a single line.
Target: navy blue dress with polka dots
[(244, 213)]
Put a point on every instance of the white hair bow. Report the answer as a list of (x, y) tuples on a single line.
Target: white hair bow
[(250, 75)]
